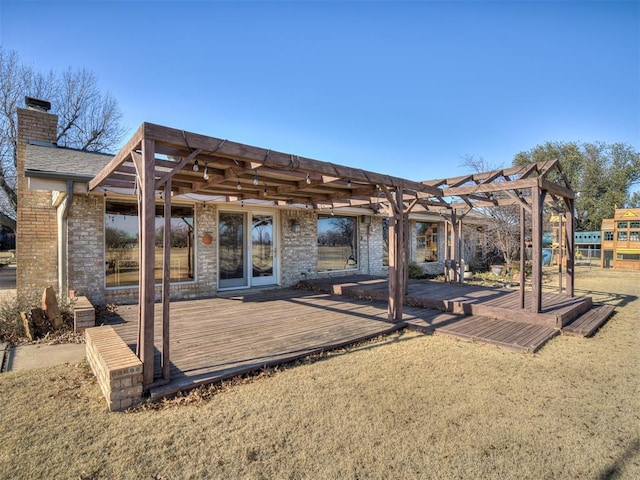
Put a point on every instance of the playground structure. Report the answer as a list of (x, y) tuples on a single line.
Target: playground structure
[(617, 245), (587, 245)]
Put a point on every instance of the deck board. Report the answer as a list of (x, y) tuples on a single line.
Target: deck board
[(503, 333)]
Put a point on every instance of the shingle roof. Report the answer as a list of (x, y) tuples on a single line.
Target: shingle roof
[(61, 161)]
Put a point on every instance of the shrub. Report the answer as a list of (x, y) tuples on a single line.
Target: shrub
[(11, 328), (415, 270)]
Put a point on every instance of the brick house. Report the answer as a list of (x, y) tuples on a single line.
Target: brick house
[(87, 241)]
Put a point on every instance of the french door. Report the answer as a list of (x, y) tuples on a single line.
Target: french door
[(246, 249)]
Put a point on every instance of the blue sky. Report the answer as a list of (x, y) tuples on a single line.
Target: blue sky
[(405, 88)]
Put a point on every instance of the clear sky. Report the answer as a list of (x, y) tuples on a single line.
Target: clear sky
[(405, 88)]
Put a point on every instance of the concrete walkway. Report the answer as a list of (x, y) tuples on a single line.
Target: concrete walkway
[(37, 356), (32, 356)]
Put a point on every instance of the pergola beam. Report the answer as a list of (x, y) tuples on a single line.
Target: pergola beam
[(172, 173), (122, 156), (490, 187), (258, 155)]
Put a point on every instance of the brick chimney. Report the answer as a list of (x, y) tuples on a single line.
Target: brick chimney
[(36, 233)]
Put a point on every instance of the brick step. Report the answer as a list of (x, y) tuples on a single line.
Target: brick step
[(586, 324)]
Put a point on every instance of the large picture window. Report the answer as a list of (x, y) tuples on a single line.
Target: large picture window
[(337, 243), (121, 250), (426, 242)]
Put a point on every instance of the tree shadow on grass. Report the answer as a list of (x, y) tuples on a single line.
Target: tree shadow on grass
[(615, 470)]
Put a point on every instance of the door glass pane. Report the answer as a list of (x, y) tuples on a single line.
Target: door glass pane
[(262, 245), (232, 252)]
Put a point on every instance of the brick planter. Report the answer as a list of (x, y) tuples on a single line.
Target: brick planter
[(118, 370)]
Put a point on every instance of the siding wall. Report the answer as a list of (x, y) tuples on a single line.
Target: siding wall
[(36, 234), (85, 257), (298, 249)]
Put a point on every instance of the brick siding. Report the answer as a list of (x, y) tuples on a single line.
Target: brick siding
[(117, 369), (85, 257), (37, 232), (298, 249)]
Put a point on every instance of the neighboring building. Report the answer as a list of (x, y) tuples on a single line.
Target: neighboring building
[(621, 240), (84, 241)]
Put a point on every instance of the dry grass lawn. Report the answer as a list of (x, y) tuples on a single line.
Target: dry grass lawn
[(408, 406)]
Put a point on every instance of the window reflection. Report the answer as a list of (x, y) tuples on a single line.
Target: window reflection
[(337, 243), (121, 235), (426, 242)]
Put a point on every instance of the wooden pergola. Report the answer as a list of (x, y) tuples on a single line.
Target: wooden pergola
[(163, 161)]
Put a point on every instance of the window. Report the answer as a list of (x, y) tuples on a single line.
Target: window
[(622, 236), (622, 224), (628, 256), (121, 244), (634, 224), (426, 242), (634, 235), (337, 243), (608, 236)]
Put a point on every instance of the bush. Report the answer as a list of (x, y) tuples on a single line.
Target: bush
[(11, 328), (415, 270)]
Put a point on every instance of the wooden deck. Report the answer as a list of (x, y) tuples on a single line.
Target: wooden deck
[(558, 310), (219, 338)]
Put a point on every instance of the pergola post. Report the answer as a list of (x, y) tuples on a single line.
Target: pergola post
[(459, 249), (523, 254), (570, 241), (397, 248), (447, 251), (405, 257), (560, 244), (166, 281), (537, 195), (454, 247), (146, 171)]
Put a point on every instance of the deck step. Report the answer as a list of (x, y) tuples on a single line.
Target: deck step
[(508, 334), (503, 333), (586, 324)]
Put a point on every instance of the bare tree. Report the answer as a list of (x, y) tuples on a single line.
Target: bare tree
[(503, 233), (87, 118)]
